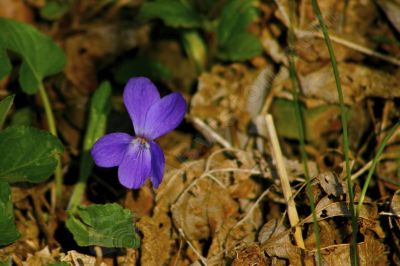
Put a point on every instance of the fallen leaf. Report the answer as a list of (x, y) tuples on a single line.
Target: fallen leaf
[(155, 246)]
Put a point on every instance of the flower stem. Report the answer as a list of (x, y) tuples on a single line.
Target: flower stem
[(354, 225), (53, 130)]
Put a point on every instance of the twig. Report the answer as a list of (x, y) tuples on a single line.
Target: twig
[(283, 12), (202, 259), (99, 255), (357, 47), (208, 163), (349, 44), (361, 171), (178, 253), (389, 214), (287, 192), (208, 131), (209, 174), (252, 208), (49, 234)]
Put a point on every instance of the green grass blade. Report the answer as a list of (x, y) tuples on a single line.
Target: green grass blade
[(354, 225), (299, 120), (374, 163)]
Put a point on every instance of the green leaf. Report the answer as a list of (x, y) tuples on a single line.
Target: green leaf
[(106, 225), (316, 119), (6, 262), (22, 117), (27, 154), (41, 57), (234, 42), (174, 13), (8, 231), (241, 47), (55, 9), (100, 107), (141, 66), (5, 106)]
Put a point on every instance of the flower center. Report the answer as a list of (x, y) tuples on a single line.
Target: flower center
[(141, 141)]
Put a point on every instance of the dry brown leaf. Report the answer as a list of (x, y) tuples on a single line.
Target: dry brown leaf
[(395, 203), (272, 47), (202, 211), (42, 257), (248, 255), (277, 242), (204, 197), (392, 10), (269, 229), (89, 51), (357, 22), (358, 82), (331, 184), (130, 258), (155, 244), (174, 144), (371, 252), (75, 258), (327, 208), (169, 53), (140, 201), (329, 235), (221, 98), (17, 10)]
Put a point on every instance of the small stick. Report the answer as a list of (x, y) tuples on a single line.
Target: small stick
[(287, 192), (352, 45), (208, 131), (248, 214), (202, 259)]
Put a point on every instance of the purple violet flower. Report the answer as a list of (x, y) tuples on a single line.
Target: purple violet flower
[(139, 157)]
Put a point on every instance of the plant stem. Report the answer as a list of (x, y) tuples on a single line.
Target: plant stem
[(195, 48), (86, 165), (317, 11), (100, 106), (300, 127), (373, 166), (53, 130)]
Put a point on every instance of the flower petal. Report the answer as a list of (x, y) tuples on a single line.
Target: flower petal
[(109, 150), (164, 116), (157, 164), (135, 166), (139, 95)]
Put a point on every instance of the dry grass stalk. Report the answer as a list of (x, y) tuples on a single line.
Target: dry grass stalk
[(287, 192)]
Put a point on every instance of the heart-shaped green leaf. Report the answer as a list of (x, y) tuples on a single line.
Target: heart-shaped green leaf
[(27, 154), (234, 41), (41, 57), (174, 13), (106, 225)]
